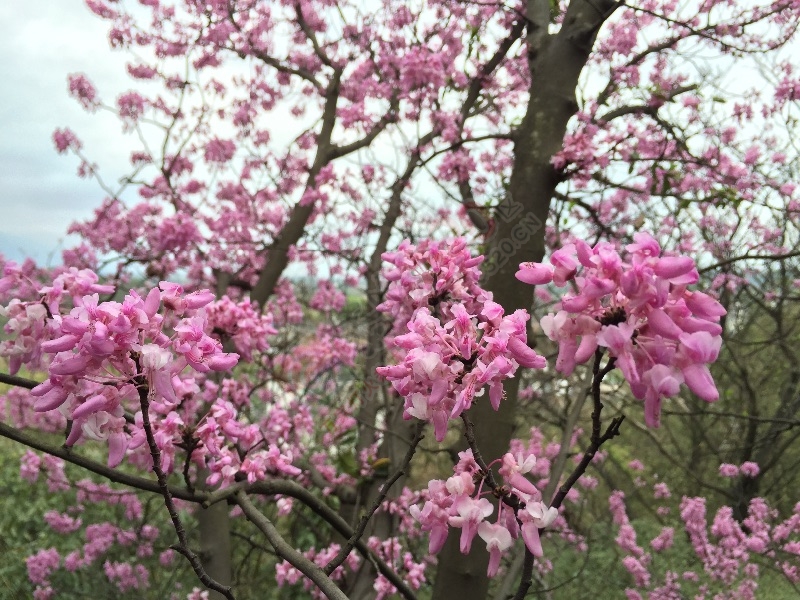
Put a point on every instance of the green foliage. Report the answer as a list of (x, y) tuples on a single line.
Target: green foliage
[(25, 532)]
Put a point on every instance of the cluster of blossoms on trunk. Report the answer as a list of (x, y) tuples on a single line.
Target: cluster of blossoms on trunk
[(458, 341), (640, 309)]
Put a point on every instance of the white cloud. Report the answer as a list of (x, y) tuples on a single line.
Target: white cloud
[(41, 42)]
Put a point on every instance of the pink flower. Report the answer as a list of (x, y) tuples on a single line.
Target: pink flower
[(470, 513), (535, 516), (513, 471), (663, 540), (534, 273), (498, 540), (156, 361), (434, 515), (749, 469), (660, 381), (82, 90), (639, 310), (202, 352), (524, 355), (219, 151), (66, 139), (456, 342)]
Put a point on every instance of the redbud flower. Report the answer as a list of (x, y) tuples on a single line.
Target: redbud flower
[(498, 540), (535, 516), (660, 334), (470, 514), (457, 341), (749, 469)]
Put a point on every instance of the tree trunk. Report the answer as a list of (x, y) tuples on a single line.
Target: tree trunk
[(555, 62), (213, 523)]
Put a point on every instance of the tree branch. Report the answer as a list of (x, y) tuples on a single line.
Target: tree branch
[(28, 384), (183, 541), (285, 551), (597, 439), (362, 525), (297, 491), (113, 475)]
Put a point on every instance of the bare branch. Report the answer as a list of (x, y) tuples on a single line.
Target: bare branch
[(342, 555), (183, 541), (285, 551), (28, 384), (297, 491)]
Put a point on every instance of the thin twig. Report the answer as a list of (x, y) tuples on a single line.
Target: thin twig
[(509, 499), (183, 542), (113, 475), (292, 489), (597, 439), (303, 564), (556, 470), (344, 552)]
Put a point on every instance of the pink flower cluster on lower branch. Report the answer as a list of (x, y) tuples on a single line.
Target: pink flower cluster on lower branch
[(458, 502), (727, 556), (104, 353), (640, 309)]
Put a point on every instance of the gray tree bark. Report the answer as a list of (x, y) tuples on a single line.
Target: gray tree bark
[(213, 524), (555, 62)]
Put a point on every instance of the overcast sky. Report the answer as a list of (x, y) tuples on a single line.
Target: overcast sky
[(41, 41)]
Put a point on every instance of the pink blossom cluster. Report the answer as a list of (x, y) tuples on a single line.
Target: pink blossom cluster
[(326, 350), (327, 298), (242, 323), (66, 139), (637, 560), (748, 469), (17, 410), (126, 576), (432, 274), (100, 538), (19, 279), (26, 323), (104, 354), (447, 366), (31, 465), (62, 522), (660, 333), (458, 341), (242, 452), (403, 563), (41, 565), (83, 91), (460, 502), (730, 553), (286, 574)]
